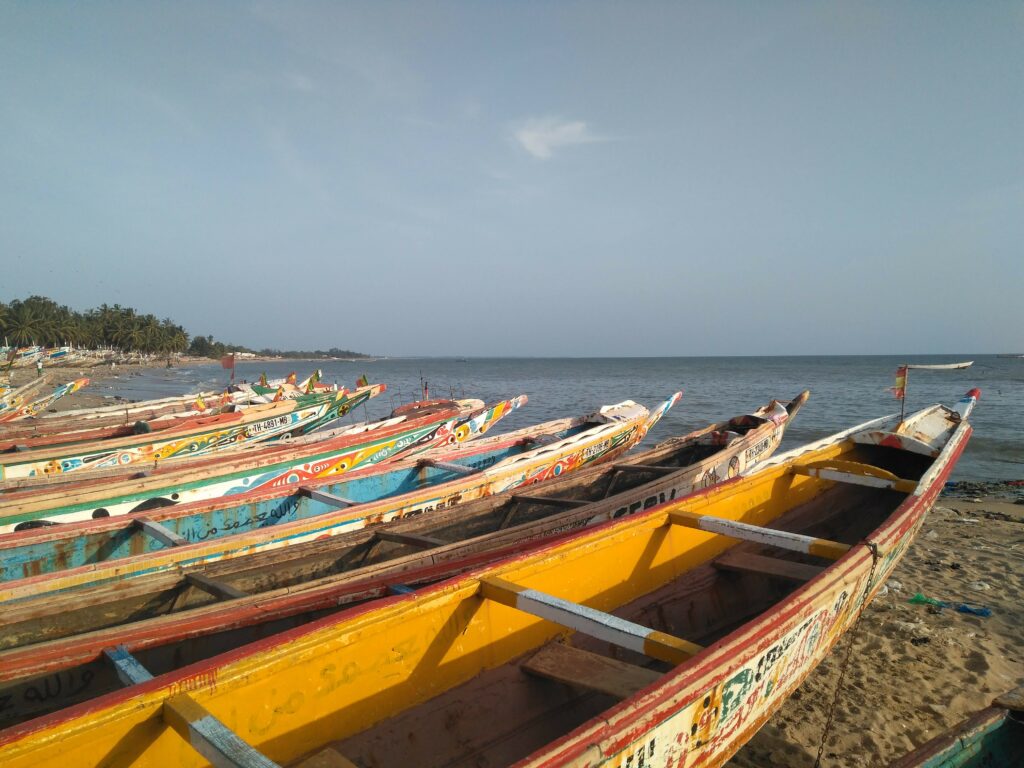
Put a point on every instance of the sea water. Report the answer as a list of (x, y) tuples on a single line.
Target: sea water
[(844, 391)]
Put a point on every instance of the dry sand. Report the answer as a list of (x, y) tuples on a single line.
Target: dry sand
[(915, 671)]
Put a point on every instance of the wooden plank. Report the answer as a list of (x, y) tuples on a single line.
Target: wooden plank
[(796, 542), (129, 670), (160, 533), (550, 500), (412, 539), (218, 589), (209, 736), (326, 758), (856, 473), (644, 468), (448, 466), (324, 497), (748, 562), (592, 671), (590, 621)]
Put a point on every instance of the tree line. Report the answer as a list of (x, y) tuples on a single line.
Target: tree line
[(39, 320)]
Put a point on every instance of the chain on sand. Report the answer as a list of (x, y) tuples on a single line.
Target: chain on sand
[(852, 638)]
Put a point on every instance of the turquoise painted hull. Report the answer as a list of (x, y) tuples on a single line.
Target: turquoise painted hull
[(238, 514)]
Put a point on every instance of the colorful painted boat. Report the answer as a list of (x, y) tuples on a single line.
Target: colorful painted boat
[(15, 398), (183, 616), (36, 406), (275, 467), (522, 662), (127, 414), (990, 738), (256, 424), (61, 557)]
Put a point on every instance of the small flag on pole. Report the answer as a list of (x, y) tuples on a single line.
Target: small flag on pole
[(228, 361), (362, 381), (900, 390), (291, 378), (263, 379), (225, 399), (311, 384), (200, 403), (279, 396)]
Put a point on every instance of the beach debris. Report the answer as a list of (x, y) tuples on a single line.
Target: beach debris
[(894, 585), (920, 640), (979, 586), (974, 610), (932, 535)]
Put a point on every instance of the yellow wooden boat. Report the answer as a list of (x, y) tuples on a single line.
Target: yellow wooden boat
[(662, 639)]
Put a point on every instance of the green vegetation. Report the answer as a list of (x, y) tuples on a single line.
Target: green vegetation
[(329, 354), (39, 320)]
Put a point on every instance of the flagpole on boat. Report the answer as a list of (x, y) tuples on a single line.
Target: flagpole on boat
[(903, 374)]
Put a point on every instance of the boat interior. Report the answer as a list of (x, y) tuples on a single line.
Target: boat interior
[(478, 657), (316, 563)]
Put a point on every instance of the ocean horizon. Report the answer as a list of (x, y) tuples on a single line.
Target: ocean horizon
[(845, 390)]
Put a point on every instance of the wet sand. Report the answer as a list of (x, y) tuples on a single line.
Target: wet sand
[(916, 670)]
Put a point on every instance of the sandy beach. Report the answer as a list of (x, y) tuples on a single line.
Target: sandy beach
[(93, 395), (914, 669)]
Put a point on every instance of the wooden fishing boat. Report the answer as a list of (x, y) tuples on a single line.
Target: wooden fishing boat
[(243, 469), (990, 738), (36, 406), (126, 414), (186, 615), (15, 398), (95, 552), (255, 424), (523, 662), (62, 434)]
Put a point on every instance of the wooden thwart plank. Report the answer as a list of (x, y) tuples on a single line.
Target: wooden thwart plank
[(796, 542), (590, 621), (129, 670), (583, 669), (209, 736), (644, 468), (412, 539), (459, 469), (327, 498), (216, 588), (549, 500), (856, 473), (161, 533), (748, 562)]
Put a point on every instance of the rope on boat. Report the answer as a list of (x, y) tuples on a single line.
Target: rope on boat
[(873, 548)]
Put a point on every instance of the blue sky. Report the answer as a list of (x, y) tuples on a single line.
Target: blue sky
[(527, 178)]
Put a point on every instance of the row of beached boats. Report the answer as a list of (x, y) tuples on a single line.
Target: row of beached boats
[(417, 591)]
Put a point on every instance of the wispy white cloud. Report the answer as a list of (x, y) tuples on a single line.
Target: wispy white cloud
[(541, 136)]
